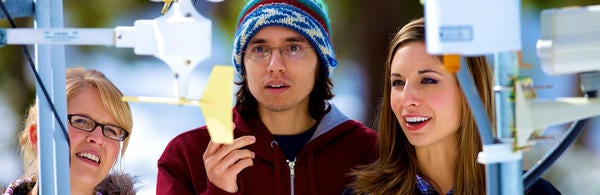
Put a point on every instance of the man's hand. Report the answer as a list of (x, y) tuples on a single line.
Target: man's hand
[(223, 162)]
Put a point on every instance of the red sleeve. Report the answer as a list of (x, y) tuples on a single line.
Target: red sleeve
[(181, 167), (173, 175), (214, 190)]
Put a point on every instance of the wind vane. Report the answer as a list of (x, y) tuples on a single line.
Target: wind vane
[(180, 37)]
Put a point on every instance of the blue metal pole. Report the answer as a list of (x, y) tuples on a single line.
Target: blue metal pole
[(53, 150), (474, 100), (506, 71), (483, 124), (18, 8)]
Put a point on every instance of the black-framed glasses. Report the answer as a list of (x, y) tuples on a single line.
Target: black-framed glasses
[(289, 51), (89, 125)]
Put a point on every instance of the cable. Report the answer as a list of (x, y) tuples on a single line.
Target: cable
[(531, 176), (37, 77)]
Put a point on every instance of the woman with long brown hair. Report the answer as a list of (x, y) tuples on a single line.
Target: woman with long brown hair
[(427, 136)]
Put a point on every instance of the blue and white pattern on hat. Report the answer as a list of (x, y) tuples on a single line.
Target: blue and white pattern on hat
[(281, 14)]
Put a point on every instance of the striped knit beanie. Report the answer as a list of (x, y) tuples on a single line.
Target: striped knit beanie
[(307, 17)]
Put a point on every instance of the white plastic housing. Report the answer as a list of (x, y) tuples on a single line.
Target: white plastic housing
[(570, 40), (472, 27)]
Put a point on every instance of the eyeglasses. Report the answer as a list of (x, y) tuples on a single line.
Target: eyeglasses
[(289, 51), (89, 125)]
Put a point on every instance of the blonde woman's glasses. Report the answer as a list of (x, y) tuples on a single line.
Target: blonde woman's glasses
[(89, 125)]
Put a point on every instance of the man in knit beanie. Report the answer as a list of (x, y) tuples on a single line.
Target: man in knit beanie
[(289, 138)]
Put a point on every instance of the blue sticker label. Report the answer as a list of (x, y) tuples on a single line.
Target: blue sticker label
[(456, 33), (61, 36)]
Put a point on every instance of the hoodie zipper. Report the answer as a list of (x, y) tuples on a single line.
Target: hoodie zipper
[(291, 164)]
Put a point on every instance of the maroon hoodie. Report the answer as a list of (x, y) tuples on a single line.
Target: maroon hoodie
[(337, 146)]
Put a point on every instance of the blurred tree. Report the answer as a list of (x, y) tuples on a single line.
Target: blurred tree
[(370, 25), (14, 81), (544, 4), (361, 31)]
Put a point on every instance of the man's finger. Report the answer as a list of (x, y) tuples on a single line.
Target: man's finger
[(241, 165), (238, 143), (211, 148)]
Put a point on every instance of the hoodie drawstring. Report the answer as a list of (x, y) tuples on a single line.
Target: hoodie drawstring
[(277, 166)]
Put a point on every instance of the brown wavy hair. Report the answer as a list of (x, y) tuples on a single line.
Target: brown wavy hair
[(395, 170)]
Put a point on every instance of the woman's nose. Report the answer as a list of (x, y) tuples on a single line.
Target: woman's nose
[(410, 96), (96, 136)]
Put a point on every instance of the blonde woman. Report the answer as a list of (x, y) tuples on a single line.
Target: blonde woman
[(99, 125)]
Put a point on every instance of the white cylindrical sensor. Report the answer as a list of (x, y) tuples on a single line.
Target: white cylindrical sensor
[(570, 40)]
